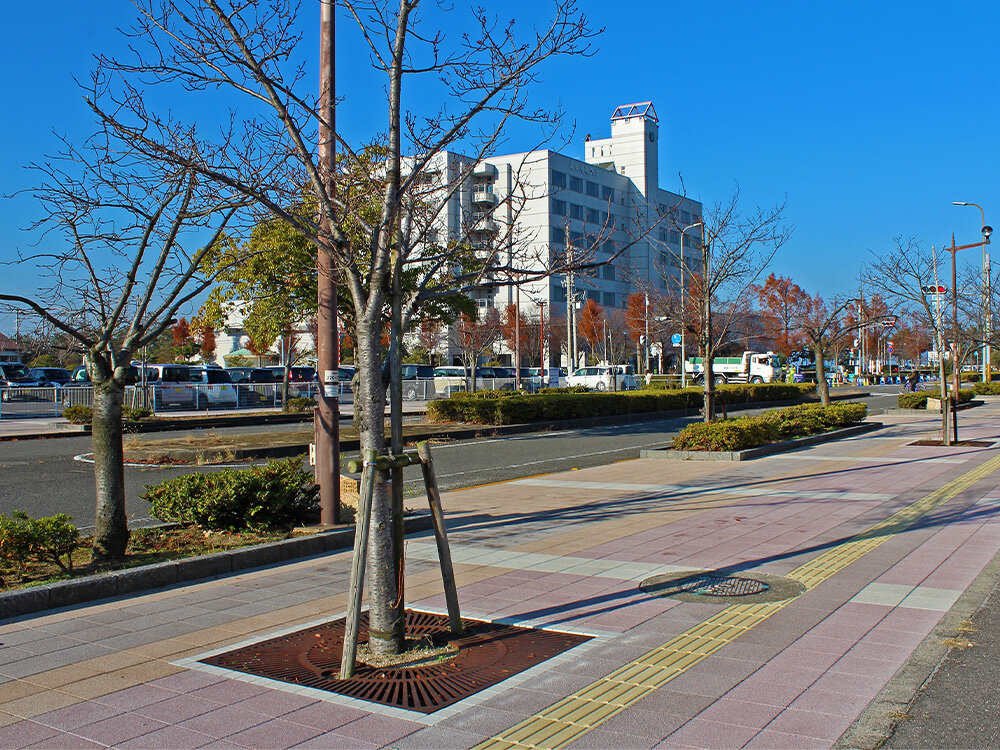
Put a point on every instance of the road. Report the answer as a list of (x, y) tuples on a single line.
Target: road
[(41, 477)]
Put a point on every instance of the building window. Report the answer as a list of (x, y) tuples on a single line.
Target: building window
[(558, 207), (675, 236), (609, 299), (558, 179), (576, 211), (593, 216), (608, 272), (607, 193), (558, 237), (575, 183), (596, 296), (593, 189), (663, 235), (557, 291)]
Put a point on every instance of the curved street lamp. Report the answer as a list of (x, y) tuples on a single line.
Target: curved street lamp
[(987, 313)]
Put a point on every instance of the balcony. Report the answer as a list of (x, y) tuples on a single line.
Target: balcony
[(483, 223), (487, 197), (485, 170)]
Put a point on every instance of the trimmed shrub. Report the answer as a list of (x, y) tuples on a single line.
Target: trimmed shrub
[(918, 400), (79, 414), (51, 539), (727, 434), (986, 389), (135, 415), (276, 496), (510, 407), (769, 427), (301, 404)]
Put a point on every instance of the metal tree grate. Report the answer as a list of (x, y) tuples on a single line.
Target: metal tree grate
[(487, 654)]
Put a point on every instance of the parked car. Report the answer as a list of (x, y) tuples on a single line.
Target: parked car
[(79, 376), (449, 379), (301, 379), (418, 382), (57, 376), (172, 386), (14, 376), (255, 386), (213, 387), (604, 378)]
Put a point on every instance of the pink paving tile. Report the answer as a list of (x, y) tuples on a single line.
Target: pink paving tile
[(184, 682), (810, 724), (801, 658), (855, 665), (755, 690), (828, 702), (741, 713), (324, 716), (274, 735), (136, 697), (276, 703), (24, 733), (229, 692), (711, 734), (825, 644), (168, 738), (896, 654), (771, 740), (379, 729), (223, 722), (177, 709), (66, 741), (119, 728), (334, 741), (78, 715), (850, 684)]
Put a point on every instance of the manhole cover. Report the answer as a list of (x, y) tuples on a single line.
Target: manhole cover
[(724, 587), (487, 654), (710, 585)]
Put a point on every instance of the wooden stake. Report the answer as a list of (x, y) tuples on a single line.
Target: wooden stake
[(440, 536), (361, 523)]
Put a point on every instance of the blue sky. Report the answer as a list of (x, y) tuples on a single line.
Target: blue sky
[(868, 118)]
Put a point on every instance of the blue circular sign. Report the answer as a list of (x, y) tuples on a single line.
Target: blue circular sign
[(675, 339)]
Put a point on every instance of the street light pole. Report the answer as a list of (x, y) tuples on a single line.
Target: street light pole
[(541, 343), (683, 337), (987, 317), (987, 231)]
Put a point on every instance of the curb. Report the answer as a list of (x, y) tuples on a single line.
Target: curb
[(159, 575), (764, 450)]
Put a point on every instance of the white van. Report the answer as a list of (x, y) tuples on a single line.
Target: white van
[(604, 378), (213, 387), (172, 386)]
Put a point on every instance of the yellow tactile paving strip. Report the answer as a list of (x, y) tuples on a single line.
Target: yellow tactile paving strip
[(573, 716)]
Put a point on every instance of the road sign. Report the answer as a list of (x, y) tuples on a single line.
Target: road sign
[(675, 339)]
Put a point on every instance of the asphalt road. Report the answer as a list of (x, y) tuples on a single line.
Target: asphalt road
[(41, 477)]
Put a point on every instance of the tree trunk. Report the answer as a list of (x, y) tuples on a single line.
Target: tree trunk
[(386, 628), (709, 373), (110, 524), (821, 386)]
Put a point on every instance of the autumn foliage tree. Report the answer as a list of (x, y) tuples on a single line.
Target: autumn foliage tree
[(476, 337), (780, 301), (591, 324)]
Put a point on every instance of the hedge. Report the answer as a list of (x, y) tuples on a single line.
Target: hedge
[(769, 427), (509, 407), (918, 400), (986, 389), (278, 495)]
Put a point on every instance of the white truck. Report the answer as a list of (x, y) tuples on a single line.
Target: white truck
[(751, 367)]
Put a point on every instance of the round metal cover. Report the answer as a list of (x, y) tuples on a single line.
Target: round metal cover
[(712, 585), (724, 587)]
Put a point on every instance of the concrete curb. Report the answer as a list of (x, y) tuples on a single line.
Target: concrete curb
[(145, 577), (764, 450)]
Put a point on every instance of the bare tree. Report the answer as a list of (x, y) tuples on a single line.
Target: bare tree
[(384, 227), (474, 338), (125, 239), (823, 326), (735, 248)]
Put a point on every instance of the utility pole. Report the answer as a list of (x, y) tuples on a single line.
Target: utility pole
[(570, 303), (326, 420)]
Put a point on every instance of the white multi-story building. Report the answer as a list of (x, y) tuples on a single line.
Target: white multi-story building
[(608, 205)]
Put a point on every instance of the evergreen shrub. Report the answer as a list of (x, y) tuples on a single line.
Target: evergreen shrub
[(276, 496)]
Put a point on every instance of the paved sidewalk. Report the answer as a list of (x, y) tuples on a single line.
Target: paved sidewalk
[(884, 537)]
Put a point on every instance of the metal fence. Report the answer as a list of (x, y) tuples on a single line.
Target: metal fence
[(50, 401)]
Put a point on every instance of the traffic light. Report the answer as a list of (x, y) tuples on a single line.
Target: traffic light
[(933, 289)]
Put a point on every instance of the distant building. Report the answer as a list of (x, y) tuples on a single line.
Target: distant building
[(9, 351), (599, 204)]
